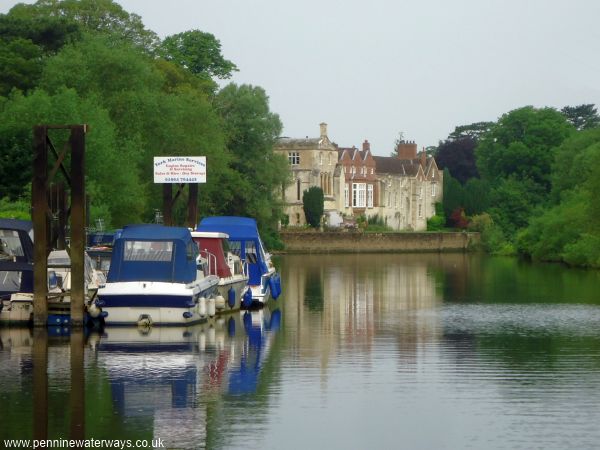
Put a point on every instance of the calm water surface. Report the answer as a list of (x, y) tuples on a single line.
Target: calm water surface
[(360, 352)]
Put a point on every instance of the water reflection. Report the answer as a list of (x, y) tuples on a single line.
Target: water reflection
[(362, 351)]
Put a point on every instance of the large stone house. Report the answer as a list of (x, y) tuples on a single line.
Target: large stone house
[(401, 190)]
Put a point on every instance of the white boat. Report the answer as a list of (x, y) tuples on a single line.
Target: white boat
[(213, 248), (263, 281), (16, 277), (157, 277)]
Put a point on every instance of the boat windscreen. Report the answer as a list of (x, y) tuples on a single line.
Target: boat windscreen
[(148, 251), (10, 244)]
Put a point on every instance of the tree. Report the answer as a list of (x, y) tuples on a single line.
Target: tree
[(522, 145), (582, 117), (251, 131), (96, 16), (473, 131), (113, 187), (458, 156), (199, 52), (313, 203)]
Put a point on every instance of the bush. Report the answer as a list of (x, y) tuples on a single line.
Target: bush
[(436, 223), (314, 205)]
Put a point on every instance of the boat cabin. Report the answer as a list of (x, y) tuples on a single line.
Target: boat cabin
[(154, 253), (244, 241), (16, 257)]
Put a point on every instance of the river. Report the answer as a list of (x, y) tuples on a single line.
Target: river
[(450, 351)]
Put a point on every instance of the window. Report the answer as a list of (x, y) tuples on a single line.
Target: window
[(191, 251), (369, 195), (298, 189), (148, 251), (433, 189), (421, 192), (359, 195), (346, 196), (294, 158), (352, 170), (320, 159), (420, 210), (10, 244)]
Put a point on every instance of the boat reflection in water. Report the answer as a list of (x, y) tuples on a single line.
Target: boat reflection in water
[(160, 377)]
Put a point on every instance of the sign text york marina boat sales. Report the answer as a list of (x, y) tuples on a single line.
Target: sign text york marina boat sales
[(180, 169)]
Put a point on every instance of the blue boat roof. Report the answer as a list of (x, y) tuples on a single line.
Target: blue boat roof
[(16, 224), (237, 228), (155, 232)]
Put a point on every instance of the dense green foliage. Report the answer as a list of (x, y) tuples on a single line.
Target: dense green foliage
[(89, 61), (313, 202), (539, 170)]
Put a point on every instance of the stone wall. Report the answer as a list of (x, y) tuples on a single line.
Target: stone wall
[(356, 242)]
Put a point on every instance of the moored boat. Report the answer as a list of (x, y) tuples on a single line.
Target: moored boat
[(244, 241), (213, 248), (157, 276)]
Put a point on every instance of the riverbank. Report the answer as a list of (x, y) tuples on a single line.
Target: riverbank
[(357, 242)]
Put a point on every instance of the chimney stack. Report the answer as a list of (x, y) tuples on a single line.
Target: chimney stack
[(423, 158), (323, 126), (406, 150), (366, 145)]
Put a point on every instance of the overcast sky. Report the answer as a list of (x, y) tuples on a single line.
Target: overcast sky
[(372, 69)]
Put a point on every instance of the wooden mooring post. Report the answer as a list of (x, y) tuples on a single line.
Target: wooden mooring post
[(169, 200), (42, 216)]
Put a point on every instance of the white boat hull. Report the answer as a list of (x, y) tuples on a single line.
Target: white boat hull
[(157, 303)]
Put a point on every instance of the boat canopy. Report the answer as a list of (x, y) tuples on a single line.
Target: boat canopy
[(210, 243), (16, 256), (244, 240), (153, 253)]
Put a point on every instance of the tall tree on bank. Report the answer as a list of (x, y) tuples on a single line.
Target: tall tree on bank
[(458, 156), (582, 117), (251, 132), (198, 52), (516, 158), (95, 16)]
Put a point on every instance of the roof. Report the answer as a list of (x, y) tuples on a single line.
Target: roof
[(16, 224), (391, 164), (209, 235), (155, 232), (237, 228)]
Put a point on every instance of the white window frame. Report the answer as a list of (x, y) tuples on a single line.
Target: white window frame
[(359, 195), (420, 210), (346, 196), (294, 158), (369, 195), (433, 188)]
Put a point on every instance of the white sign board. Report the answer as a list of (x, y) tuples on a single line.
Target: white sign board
[(180, 169)]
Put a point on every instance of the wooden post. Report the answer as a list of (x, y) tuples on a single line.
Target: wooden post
[(168, 204), (77, 255), (77, 394), (192, 205), (40, 229), (39, 355)]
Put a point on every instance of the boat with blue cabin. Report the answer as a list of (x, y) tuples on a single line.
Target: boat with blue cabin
[(157, 276), (16, 278), (244, 241)]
